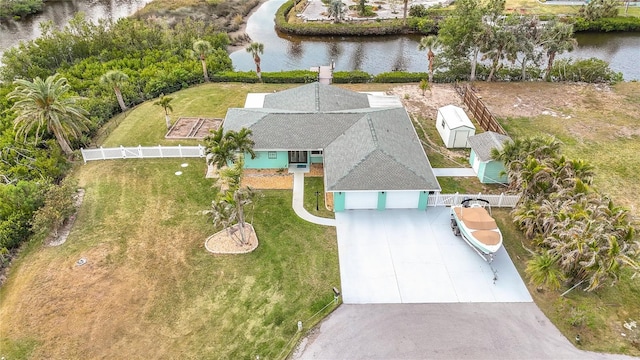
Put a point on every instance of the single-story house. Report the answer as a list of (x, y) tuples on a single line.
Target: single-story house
[(489, 171), (454, 126), (371, 155)]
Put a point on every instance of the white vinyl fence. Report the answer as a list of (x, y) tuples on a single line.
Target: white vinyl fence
[(142, 152), (501, 200)]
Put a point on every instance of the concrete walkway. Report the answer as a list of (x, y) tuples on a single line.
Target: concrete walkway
[(455, 172), (298, 202)]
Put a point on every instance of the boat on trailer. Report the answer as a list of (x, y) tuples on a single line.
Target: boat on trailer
[(472, 220)]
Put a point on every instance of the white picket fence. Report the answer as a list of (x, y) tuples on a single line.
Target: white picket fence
[(142, 152), (501, 200)]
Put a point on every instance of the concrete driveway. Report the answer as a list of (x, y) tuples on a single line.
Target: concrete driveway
[(411, 256)]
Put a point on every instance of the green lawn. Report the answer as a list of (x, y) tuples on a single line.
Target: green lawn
[(145, 125), (149, 288), (313, 185)]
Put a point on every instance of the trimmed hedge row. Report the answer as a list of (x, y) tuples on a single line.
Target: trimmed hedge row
[(607, 24), (373, 27), (400, 77), (290, 77), (351, 77)]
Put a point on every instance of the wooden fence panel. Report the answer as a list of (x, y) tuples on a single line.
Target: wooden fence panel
[(481, 113)]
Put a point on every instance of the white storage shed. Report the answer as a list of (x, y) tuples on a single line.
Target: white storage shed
[(454, 126)]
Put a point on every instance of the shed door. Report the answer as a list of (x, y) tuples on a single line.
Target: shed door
[(361, 200), (402, 199)]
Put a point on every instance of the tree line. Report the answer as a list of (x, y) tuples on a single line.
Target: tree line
[(477, 32), (57, 90)]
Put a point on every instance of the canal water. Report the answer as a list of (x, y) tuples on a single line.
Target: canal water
[(381, 54), (60, 12)]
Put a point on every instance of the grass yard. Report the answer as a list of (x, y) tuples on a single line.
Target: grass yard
[(597, 317), (311, 186), (150, 289), (145, 125), (602, 126)]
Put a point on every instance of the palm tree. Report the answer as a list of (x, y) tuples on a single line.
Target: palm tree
[(404, 12), (543, 270), (165, 103), (336, 10), (47, 106), (200, 49), (242, 141), (219, 149), (557, 37), (115, 79), (429, 43), (255, 49)]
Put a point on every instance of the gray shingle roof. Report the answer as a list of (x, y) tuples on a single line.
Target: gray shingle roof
[(484, 142), (275, 130), (379, 152), (316, 97), (364, 148)]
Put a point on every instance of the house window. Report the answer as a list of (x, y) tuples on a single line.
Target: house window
[(316, 152), (273, 155), (442, 123)]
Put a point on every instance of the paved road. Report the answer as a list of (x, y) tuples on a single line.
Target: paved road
[(440, 331)]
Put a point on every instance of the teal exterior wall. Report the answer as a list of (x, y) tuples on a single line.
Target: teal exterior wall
[(315, 159), (422, 200), (338, 201), (472, 156), (491, 173), (382, 200), (262, 160)]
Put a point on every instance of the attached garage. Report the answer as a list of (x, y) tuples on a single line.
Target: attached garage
[(402, 199), (361, 200)]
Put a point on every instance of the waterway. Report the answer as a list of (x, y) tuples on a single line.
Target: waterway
[(60, 12), (380, 54)]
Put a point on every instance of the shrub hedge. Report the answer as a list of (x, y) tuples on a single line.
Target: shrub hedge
[(351, 77), (290, 77), (607, 24), (400, 77)]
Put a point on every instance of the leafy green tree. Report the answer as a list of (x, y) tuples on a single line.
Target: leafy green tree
[(47, 106), (59, 205), (429, 43), (500, 42), (336, 10), (598, 9), (556, 38), (256, 49), (527, 43), (116, 79), (165, 103), (200, 49)]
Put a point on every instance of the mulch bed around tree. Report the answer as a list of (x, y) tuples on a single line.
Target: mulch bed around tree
[(223, 242)]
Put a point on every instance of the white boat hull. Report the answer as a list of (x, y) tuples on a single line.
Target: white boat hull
[(487, 239)]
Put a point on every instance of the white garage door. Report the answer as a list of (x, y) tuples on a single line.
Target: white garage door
[(361, 200), (402, 199)]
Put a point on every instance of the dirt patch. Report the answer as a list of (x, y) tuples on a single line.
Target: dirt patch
[(426, 105), (227, 241), (267, 179), (193, 128)]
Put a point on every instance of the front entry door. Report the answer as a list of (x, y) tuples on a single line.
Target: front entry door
[(297, 157)]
